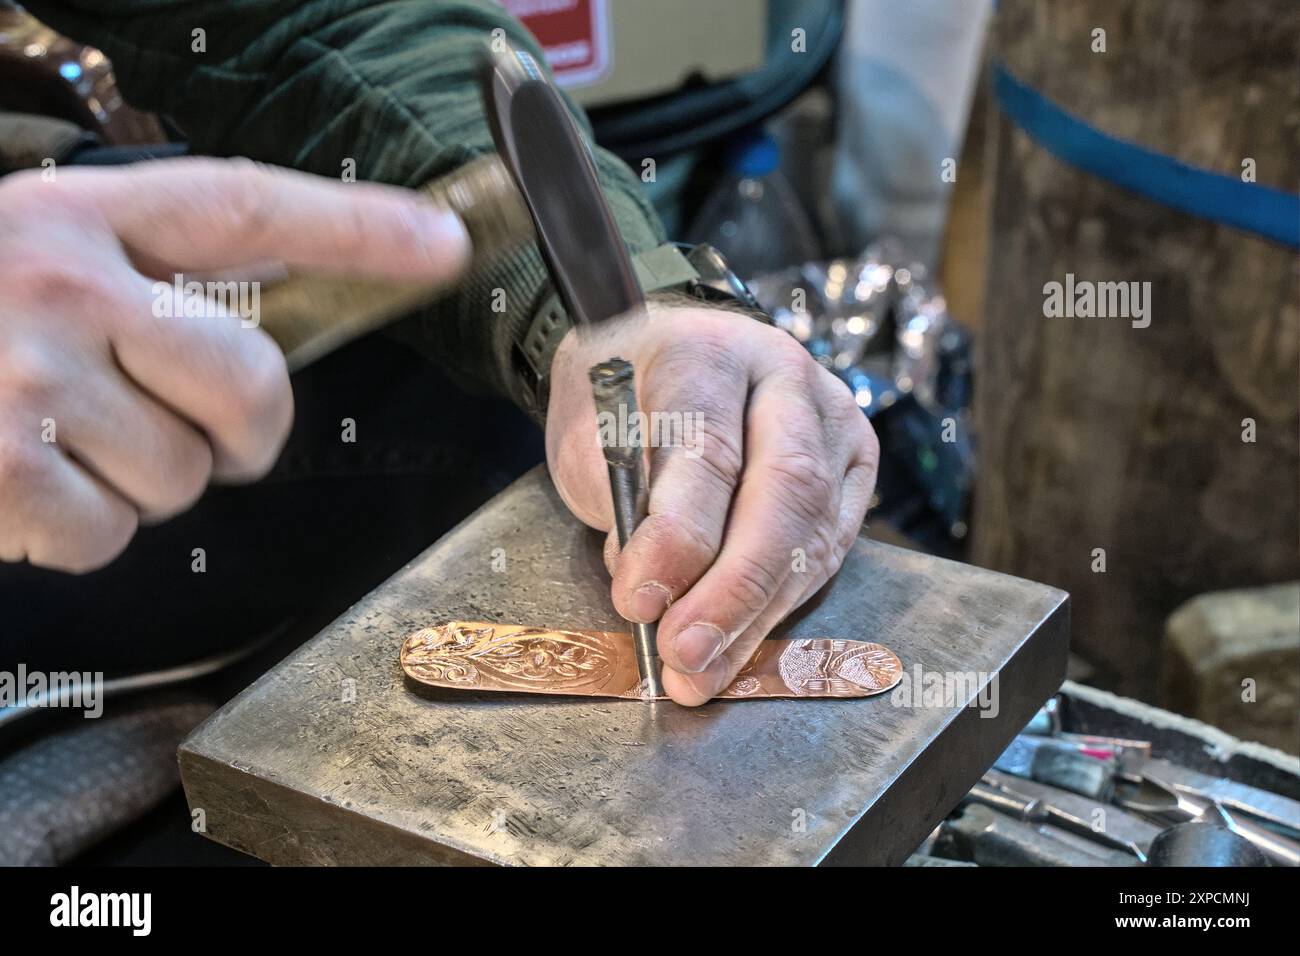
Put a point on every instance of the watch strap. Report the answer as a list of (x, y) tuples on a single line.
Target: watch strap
[(533, 353), (663, 267)]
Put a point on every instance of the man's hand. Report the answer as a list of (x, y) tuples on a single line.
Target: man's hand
[(745, 526), (111, 415)]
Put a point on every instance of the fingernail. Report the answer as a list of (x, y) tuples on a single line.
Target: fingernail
[(438, 232), (697, 646), (649, 601)]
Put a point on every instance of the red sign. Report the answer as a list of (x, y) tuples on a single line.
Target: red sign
[(574, 36)]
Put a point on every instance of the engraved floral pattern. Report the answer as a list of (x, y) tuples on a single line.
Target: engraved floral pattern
[(515, 656)]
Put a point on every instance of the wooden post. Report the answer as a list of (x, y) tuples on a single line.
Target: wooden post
[(1104, 442)]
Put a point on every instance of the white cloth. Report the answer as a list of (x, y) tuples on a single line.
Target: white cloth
[(906, 75)]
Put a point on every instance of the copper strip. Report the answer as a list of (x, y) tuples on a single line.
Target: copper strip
[(474, 655)]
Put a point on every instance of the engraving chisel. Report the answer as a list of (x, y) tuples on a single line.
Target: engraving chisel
[(613, 385)]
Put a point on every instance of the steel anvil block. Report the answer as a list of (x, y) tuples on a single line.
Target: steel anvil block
[(332, 757)]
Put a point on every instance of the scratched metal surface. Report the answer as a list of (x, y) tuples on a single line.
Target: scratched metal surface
[(333, 758)]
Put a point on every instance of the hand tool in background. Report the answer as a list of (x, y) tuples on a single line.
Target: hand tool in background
[(544, 151), (1118, 823), (1173, 804), (1162, 813), (997, 796), (1047, 723), (1118, 747), (1070, 766), (1203, 844), (1273, 811), (1280, 814), (989, 838), (310, 315)]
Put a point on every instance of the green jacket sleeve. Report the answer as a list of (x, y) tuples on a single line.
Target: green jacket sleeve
[(390, 85)]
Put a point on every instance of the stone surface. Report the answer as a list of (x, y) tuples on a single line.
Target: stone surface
[(1232, 659)]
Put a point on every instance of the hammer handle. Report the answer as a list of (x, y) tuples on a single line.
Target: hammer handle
[(309, 316)]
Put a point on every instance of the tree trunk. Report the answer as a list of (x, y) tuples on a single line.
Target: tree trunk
[(1093, 433)]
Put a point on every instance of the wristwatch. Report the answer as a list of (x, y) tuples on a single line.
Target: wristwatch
[(699, 271)]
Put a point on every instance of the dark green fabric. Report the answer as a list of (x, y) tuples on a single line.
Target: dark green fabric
[(310, 84)]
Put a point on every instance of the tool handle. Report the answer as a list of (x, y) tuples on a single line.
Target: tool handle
[(1014, 805), (309, 316), (1281, 850)]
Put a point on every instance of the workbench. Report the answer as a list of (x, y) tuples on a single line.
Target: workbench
[(334, 757)]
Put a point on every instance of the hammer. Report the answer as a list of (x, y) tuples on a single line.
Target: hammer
[(309, 316)]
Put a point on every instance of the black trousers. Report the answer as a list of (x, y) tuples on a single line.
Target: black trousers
[(332, 520)]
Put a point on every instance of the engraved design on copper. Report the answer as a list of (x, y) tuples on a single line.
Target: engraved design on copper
[(743, 686), (475, 655), (523, 657), (824, 667)]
